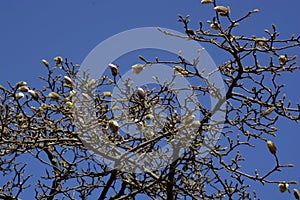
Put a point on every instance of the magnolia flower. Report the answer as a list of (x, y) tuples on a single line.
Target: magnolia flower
[(114, 69), (137, 68), (113, 125), (24, 88), (141, 93), (272, 147), (206, 1), (34, 95), (45, 63), (68, 80), (283, 187), (222, 10), (19, 95), (53, 95)]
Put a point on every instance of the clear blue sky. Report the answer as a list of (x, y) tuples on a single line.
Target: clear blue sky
[(32, 30)]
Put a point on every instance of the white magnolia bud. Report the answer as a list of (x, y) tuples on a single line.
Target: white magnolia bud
[(53, 95), (114, 69), (19, 95), (58, 60), (272, 147), (33, 94), (282, 59), (296, 194), (68, 80), (222, 10), (189, 119), (24, 88), (21, 83), (283, 187), (69, 104), (215, 26), (107, 94), (137, 68), (268, 111), (141, 93), (113, 125), (206, 1), (46, 63)]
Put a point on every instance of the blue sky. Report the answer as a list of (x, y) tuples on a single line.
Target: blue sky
[(32, 30)]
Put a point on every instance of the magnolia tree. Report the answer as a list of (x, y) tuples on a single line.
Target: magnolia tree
[(111, 137)]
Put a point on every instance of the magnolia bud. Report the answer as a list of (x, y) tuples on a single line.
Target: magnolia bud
[(196, 124), (190, 32), (215, 26), (21, 83), (180, 70), (58, 60), (24, 88), (141, 93), (189, 119), (91, 83), (68, 80), (113, 125), (34, 95), (283, 187), (272, 147), (268, 111), (69, 104), (114, 69), (45, 63), (107, 94), (296, 194), (137, 68), (222, 10), (149, 117), (19, 95), (53, 95), (206, 1), (282, 59)]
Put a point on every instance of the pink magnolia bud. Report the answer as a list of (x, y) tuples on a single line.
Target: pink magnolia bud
[(68, 80), (114, 69), (141, 93)]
